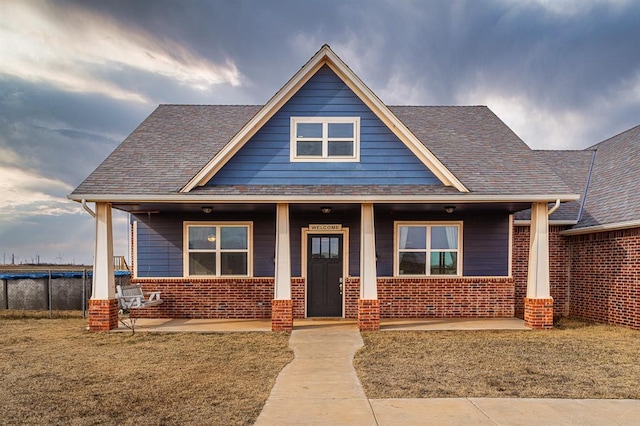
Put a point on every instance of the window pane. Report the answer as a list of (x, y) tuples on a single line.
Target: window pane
[(324, 251), (315, 247), (202, 237), (309, 149), (233, 237), (233, 263), (309, 130), (335, 249), (444, 237), (444, 263), (412, 263), (340, 130), (340, 149), (413, 237), (202, 263)]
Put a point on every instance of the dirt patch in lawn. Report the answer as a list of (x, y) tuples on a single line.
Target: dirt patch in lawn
[(575, 360), (52, 371)]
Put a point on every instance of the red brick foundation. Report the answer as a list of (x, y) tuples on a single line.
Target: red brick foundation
[(456, 297), (103, 315), (538, 313), (368, 315), (282, 315)]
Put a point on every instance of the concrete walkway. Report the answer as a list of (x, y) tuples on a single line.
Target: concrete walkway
[(320, 387)]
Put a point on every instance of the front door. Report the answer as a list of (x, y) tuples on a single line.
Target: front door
[(324, 275)]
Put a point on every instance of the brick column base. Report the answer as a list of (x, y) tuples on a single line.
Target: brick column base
[(538, 313), (368, 315), (103, 315), (282, 315)]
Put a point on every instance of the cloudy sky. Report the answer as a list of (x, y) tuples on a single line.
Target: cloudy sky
[(76, 77)]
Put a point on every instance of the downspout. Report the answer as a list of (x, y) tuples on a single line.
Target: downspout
[(555, 207), (87, 208)]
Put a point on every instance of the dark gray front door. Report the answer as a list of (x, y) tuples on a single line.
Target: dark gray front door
[(324, 275)]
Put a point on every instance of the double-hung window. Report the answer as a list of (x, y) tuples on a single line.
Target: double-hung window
[(217, 249), (428, 248), (325, 139)]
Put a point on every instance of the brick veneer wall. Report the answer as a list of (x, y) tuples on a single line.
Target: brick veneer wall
[(298, 286), (559, 254), (460, 297), (208, 297), (605, 277)]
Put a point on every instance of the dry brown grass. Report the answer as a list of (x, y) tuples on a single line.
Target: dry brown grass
[(55, 372), (576, 360)]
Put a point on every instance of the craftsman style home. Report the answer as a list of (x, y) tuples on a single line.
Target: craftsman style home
[(325, 202)]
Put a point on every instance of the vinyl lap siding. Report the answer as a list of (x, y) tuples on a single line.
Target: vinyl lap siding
[(265, 159), (159, 242)]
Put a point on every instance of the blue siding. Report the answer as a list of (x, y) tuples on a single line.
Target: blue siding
[(264, 160), (159, 248)]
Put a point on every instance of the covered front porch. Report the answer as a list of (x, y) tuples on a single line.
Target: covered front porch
[(361, 261)]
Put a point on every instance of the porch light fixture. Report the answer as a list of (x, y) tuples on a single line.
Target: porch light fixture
[(325, 209), (449, 209), (207, 209)]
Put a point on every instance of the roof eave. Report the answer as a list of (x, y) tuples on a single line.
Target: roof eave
[(602, 228)]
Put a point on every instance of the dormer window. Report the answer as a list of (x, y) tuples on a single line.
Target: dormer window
[(325, 139)]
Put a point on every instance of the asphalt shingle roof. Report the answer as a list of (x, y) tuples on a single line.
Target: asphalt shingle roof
[(614, 189), (176, 141), (573, 168)]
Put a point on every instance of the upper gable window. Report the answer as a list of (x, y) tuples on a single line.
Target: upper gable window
[(325, 139)]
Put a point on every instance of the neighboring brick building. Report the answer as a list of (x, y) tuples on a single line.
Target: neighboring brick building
[(325, 202)]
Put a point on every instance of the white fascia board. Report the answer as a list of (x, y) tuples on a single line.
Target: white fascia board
[(325, 56), (603, 228), (462, 198)]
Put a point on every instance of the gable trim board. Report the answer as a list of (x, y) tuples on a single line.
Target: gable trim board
[(325, 56)]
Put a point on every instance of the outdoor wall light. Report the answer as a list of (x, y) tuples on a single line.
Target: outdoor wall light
[(326, 209), (207, 209), (449, 209)]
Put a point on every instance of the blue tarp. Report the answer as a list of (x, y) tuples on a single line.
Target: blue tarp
[(54, 274)]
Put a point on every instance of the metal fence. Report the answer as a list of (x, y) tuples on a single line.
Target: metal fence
[(52, 290)]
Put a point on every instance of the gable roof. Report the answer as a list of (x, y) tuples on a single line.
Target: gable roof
[(613, 195), (325, 56)]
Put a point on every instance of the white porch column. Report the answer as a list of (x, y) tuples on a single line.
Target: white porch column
[(368, 276), (538, 305), (282, 305), (283, 254), (538, 271), (103, 281)]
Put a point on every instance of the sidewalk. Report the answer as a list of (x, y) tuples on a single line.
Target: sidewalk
[(320, 387)]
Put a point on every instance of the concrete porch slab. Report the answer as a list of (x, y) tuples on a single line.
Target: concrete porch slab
[(452, 324), (197, 325)]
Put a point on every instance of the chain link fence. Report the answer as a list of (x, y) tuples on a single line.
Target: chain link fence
[(50, 289)]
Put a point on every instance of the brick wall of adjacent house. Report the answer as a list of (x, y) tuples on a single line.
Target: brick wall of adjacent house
[(559, 253), (209, 298), (605, 277)]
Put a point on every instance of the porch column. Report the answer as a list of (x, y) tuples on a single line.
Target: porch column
[(538, 305), (368, 305), (282, 305), (103, 306)]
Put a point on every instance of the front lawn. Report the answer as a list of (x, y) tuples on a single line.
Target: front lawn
[(55, 372), (575, 360)]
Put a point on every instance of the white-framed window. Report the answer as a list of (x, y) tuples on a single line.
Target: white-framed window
[(217, 249), (428, 248), (325, 139)]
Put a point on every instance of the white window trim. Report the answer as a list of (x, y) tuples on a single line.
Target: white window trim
[(325, 121), (186, 251), (396, 245)]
